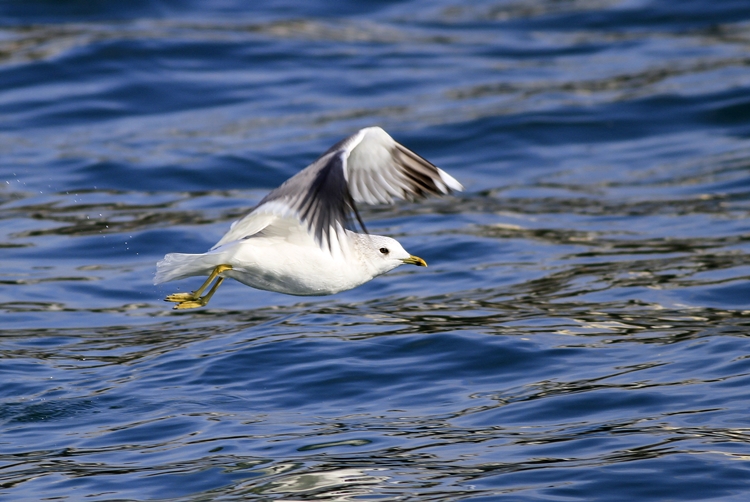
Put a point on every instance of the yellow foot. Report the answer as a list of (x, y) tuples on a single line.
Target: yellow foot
[(180, 297), (193, 300), (190, 304)]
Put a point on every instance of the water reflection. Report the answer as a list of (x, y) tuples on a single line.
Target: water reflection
[(584, 317), (335, 485)]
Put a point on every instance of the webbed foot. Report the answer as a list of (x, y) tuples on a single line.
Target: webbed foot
[(194, 300)]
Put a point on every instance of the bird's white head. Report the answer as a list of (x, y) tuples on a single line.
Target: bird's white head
[(386, 253)]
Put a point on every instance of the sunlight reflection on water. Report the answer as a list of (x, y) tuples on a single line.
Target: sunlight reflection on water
[(581, 332)]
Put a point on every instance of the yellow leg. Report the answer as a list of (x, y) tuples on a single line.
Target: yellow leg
[(200, 301), (194, 299)]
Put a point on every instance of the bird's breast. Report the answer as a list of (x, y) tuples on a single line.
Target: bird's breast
[(295, 270)]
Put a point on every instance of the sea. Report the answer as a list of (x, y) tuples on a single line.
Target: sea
[(582, 331)]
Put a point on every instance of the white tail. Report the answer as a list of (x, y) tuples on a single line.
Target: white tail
[(179, 266)]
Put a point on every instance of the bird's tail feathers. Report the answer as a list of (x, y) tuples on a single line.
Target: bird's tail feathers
[(179, 266)]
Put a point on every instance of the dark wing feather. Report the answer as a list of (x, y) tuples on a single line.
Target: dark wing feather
[(379, 169), (368, 166), (327, 204)]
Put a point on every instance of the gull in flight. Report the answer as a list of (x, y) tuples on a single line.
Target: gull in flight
[(295, 241)]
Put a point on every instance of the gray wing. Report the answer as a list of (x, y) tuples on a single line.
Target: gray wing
[(368, 166)]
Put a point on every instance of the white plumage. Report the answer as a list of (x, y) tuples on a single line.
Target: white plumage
[(296, 241)]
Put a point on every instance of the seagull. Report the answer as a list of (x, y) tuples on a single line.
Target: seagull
[(296, 240)]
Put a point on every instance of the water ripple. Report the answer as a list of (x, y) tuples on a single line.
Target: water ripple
[(580, 334)]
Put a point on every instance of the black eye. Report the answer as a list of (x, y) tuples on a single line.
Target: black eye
[(384, 250)]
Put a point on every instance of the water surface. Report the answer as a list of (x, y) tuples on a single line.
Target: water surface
[(580, 334)]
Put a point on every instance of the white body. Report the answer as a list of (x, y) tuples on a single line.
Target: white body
[(294, 265), (294, 241)]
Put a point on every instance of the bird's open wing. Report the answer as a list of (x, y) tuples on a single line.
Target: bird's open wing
[(368, 166)]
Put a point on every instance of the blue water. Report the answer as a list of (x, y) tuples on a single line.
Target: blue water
[(581, 332)]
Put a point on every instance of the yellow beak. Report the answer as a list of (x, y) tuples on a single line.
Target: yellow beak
[(415, 260)]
